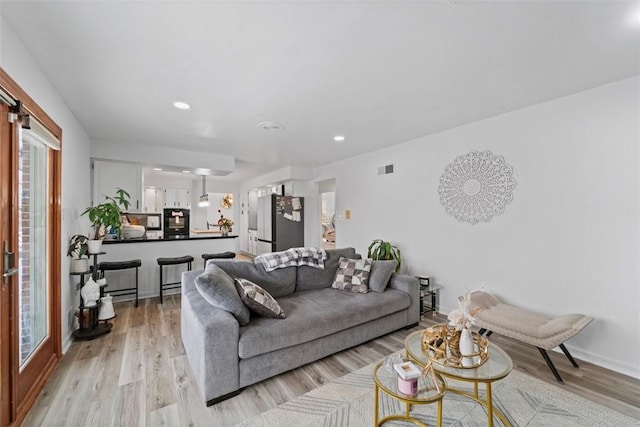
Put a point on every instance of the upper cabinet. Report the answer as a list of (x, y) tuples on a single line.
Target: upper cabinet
[(109, 176), (153, 200), (177, 198)]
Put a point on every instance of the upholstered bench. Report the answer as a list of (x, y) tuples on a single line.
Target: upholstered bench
[(544, 332)]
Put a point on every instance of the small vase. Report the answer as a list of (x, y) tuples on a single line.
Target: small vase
[(466, 347), (224, 231), (454, 344)]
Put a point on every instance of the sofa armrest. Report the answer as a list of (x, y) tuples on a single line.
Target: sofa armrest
[(210, 337), (411, 286)]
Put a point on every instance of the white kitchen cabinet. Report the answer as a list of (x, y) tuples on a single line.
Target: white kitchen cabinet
[(177, 198), (153, 200), (252, 246), (109, 176)]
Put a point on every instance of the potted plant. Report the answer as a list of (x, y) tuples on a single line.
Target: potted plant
[(381, 250), (225, 224), (78, 250), (106, 217)]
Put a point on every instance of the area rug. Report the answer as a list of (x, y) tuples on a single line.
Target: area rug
[(524, 400)]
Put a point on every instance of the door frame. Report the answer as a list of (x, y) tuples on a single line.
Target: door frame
[(9, 200)]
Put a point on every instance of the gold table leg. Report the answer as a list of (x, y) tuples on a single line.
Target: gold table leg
[(489, 405), (375, 406)]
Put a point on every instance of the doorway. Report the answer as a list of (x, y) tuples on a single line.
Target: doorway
[(327, 190), (30, 338)]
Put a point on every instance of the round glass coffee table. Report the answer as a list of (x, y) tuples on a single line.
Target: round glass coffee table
[(497, 366), (386, 379)]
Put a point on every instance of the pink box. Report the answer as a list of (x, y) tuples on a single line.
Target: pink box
[(408, 387)]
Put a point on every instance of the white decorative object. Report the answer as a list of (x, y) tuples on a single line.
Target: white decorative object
[(476, 186), (90, 293), (466, 347), (106, 309)]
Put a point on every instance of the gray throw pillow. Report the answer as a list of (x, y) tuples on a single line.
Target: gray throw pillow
[(381, 272), (258, 300), (218, 288), (353, 275)]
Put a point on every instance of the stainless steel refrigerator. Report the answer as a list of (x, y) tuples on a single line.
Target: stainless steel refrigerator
[(280, 223)]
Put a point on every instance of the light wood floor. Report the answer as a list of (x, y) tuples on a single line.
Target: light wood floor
[(138, 375)]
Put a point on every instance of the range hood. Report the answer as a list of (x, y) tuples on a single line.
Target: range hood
[(204, 199)]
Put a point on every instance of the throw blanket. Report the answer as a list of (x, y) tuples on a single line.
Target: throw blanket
[(312, 257)]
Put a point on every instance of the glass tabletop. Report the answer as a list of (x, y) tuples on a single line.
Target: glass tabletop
[(498, 366), (387, 379)]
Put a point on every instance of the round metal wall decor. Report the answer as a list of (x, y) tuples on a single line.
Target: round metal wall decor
[(476, 186)]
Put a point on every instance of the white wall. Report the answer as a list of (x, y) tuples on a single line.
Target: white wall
[(569, 241), (76, 190)]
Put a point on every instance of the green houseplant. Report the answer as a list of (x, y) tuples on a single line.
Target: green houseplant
[(381, 250), (106, 216), (78, 250)]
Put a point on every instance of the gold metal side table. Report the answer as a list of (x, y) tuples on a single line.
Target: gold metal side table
[(386, 379), (498, 366)]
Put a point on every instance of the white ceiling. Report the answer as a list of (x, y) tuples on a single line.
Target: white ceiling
[(380, 73)]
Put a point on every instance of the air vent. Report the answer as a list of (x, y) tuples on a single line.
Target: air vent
[(384, 170), (271, 126)]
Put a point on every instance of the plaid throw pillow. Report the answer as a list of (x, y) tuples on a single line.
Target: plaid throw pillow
[(353, 275), (258, 300)]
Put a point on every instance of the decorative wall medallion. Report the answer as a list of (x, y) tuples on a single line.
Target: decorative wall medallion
[(476, 186)]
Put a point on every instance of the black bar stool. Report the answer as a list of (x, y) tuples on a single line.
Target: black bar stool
[(121, 265), (172, 261), (207, 257)]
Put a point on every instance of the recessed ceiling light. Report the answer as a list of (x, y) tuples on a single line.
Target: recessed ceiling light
[(338, 138), (271, 126), (186, 171), (181, 105), (157, 169)]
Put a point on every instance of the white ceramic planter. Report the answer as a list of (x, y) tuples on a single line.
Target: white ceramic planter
[(95, 246), (79, 265)]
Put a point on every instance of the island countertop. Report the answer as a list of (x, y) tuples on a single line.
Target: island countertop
[(182, 239)]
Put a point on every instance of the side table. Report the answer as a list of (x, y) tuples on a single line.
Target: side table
[(428, 292), (386, 379)]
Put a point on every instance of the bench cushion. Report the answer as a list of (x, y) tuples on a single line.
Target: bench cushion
[(525, 325)]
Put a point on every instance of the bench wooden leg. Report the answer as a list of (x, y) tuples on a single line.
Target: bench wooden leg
[(565, 350), (544, 354)]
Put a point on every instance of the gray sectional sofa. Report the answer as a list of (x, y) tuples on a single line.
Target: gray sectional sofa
[(225, 356)]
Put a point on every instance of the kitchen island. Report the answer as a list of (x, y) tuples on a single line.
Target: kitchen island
[(149, 250)]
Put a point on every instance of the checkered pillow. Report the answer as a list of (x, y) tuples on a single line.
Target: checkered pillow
[(258, 300), (353, 275)]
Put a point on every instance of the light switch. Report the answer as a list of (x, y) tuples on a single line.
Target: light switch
[(347, 214)]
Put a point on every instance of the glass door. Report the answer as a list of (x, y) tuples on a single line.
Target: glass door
[(30, 336)]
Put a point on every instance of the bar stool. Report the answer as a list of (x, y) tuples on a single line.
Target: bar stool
[(172, 261), (121, 265), (207, 257)]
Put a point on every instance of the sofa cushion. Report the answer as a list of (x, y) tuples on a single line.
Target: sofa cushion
[(258, 300), (278, 283), (353, 275), (315, 314), (218, 288), (381, 272), (314, 278)]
